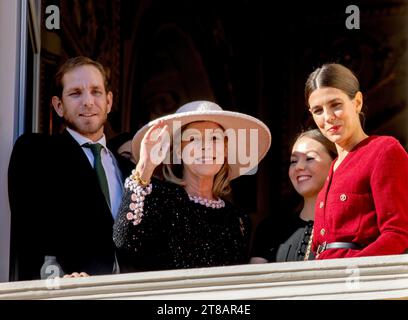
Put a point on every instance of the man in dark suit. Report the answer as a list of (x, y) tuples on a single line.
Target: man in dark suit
[(65, 189)]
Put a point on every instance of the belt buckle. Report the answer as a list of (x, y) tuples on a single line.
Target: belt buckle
[(321, 247)]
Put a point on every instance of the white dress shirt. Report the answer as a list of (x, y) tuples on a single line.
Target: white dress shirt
[(110, 166)]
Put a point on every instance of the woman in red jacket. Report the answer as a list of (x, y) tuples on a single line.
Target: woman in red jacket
[(362, 209)]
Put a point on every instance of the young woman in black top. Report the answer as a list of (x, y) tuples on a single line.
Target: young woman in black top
[(289, 239)]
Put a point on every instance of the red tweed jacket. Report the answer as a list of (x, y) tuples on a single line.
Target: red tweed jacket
[(365, 201)]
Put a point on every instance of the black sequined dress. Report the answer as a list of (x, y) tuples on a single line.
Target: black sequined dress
[(177, 233)]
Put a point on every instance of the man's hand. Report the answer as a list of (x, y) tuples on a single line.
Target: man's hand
[(76, 275)]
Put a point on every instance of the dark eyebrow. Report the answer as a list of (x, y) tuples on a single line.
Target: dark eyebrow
[(73, 89), (332, 101), (315, 107)]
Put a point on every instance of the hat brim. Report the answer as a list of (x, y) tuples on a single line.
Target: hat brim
[(227, 120)]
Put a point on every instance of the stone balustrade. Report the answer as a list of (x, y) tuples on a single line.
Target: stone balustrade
[(384, 277)]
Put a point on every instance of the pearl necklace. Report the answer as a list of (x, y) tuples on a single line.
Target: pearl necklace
[(215, 204)]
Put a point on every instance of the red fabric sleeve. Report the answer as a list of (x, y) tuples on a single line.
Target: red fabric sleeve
[(389, 183)]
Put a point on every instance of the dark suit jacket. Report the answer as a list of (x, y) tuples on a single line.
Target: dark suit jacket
[(58, 208)]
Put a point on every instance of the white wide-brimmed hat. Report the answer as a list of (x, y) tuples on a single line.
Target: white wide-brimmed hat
[(245, 126)]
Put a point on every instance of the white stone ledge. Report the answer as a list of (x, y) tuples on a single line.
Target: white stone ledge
[(384, 277)]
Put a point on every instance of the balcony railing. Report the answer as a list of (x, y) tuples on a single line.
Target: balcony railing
[(384, 277)]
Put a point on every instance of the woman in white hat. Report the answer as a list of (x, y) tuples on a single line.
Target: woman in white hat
[(184, 221)]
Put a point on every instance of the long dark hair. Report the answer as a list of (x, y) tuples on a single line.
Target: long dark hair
[(337, 76), (332, 75)]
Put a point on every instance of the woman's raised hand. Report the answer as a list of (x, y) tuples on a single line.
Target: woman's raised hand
[(153, 149)]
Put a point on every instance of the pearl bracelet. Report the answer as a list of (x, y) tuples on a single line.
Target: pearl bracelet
[(139, 192)]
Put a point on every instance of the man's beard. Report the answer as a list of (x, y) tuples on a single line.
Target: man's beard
[(85, 129)]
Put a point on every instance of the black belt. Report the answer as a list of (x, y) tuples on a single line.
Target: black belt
[(338, 245)]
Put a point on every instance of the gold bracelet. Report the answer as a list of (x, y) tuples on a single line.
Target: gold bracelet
[(138, 179)]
